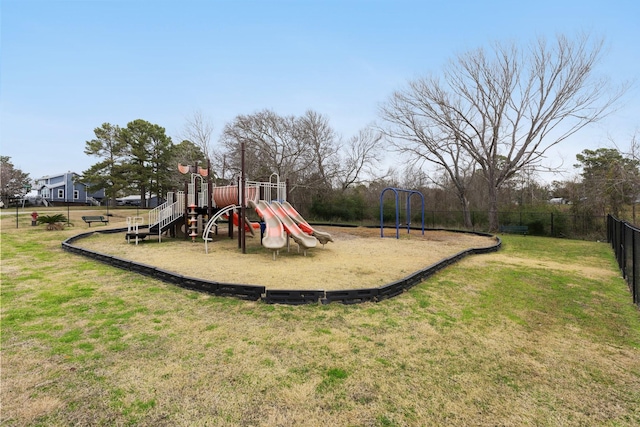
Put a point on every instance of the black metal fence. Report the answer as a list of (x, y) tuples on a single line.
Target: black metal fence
[(625, 241), (550, 224)]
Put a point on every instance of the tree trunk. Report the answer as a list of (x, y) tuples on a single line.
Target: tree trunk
[(143, 196), (493, 209), (466, 213)]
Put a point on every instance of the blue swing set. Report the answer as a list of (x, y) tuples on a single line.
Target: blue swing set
[(409, 193)]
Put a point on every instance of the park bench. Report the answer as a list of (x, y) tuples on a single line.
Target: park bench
[(95, 218), (514, 229)]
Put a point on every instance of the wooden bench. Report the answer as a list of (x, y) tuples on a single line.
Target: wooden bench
[(95, 218), (514, 229)]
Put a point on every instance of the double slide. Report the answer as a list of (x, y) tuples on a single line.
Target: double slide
[(322, 236), (283, 218)]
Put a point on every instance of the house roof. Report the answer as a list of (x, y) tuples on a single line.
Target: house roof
[(56, 174), (60, 184)]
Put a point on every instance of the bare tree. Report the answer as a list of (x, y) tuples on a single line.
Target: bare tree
[(273, 144), (506, 107), (198, 130), (414, 177), (361, 159), (322, 147), (12, 180), (633, 150), (429, 133)]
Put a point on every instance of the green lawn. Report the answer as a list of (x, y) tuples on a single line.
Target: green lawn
[(542, 333)]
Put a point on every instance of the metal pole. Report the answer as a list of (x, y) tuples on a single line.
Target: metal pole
[(408, 212), (397, 215), (286, 189), (239, 213), (185, 215), (66, 196), (633, 282), (210, 190), (243, 213)]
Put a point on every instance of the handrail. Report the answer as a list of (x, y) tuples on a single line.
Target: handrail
[(154, 214), (212, 223), (166, 213)]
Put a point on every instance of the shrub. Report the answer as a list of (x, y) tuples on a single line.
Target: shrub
[(53, 221)]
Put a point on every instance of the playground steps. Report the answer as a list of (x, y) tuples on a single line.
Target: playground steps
[(159, 228)]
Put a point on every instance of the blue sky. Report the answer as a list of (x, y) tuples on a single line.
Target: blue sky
[(67, 66)]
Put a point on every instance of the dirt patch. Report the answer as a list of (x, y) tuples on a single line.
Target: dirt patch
[(358, 257)]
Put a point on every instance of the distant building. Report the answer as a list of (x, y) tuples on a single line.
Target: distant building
[(135, 200), (558, 201), (65, 188)]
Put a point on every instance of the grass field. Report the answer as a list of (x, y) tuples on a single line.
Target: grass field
[(542, 333)]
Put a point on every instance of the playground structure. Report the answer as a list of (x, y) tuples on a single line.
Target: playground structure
[(409, 193), (201, 206)]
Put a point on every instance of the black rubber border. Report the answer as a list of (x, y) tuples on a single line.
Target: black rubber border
[(276, 296)]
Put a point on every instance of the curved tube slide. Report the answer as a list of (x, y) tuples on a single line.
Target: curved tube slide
[(228, 195)]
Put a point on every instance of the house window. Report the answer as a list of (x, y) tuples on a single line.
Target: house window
[(60, 193), (76, 194)]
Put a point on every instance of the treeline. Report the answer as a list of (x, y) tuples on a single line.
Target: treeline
[(336, 180), (304, 151)]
